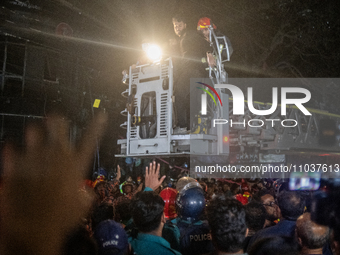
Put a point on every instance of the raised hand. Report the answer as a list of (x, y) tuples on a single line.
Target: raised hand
[(118, 173), (151, 176), (40, 198)]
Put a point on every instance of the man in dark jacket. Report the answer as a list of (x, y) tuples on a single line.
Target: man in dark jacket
[(292, 206), (191, 48)]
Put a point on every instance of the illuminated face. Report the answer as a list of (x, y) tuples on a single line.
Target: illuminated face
[(271, 207), (128, 189), (179, 27), (205, 33), (101, 190)]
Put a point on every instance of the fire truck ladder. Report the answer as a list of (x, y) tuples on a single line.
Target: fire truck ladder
[(275, 133)]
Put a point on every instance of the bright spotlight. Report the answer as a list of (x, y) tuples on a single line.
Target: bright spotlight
[(153, 52)]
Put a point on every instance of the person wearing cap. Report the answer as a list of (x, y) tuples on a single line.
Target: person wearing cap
[(186, 182), (127, 191), (111, 238), (195, 235), (204, 26), (170, 231)]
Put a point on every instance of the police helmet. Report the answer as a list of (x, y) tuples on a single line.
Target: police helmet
[(190, 203), (186, 183)]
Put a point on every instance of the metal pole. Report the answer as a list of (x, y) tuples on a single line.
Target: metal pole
[(4, 69), (2, 127), (24, 72), (21, 115), (23, 130)]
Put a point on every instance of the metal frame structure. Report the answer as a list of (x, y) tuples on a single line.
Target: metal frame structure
[(273, 137), (264, 135), (150, 78), (145, 79)]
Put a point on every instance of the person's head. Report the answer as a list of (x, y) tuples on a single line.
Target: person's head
[(204, 186), (127, 188), (260, 185), (269, 203), (79, 242), (335, 237), (245, 187), (185, 183), (225, 187), (291, 204), (180, 24), (147, 211), (111, 238), (191, 204), (210, 191), (235, 188), (227, 221), (309, 234), (169, 197), (255, 216), (100, 189), (101, 213), (203, 26), (278, 245), (123, 213)]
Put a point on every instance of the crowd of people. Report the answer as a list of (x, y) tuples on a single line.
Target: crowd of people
[(44, 210), (210, 216)]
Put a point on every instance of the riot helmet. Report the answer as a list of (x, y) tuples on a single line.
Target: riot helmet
[(186, 183), (169, 197), (190, 203)]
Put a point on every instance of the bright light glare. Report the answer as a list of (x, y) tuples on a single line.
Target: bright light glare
[(154, 52)]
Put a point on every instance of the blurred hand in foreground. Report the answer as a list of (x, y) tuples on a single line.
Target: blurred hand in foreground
[(40, 199)]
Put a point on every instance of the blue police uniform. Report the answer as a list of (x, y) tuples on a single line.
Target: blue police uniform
[(146, 244), (172, 235), (195, 237)]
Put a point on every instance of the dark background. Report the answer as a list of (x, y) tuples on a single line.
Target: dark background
[(64, 54)]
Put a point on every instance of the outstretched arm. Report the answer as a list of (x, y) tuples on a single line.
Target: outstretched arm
[(118, 173)]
